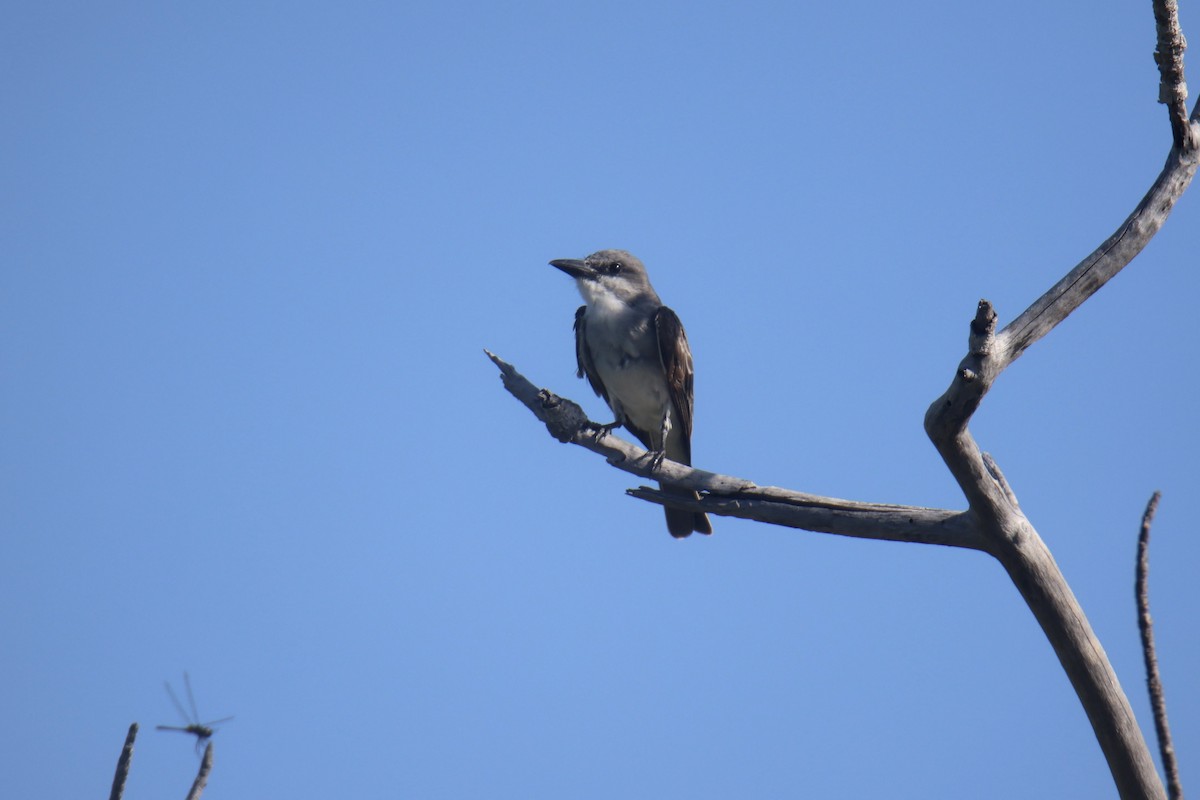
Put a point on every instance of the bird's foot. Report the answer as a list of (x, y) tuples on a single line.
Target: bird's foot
[(605, 430), (656, 459)]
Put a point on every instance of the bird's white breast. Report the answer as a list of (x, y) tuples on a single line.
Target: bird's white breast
[(632, 374)]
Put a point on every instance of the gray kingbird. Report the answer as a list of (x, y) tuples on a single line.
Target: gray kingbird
[(633, 351)]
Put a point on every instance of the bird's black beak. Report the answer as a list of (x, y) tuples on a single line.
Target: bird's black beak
[(574, 267)]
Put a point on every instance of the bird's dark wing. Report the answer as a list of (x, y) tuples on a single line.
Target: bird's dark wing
[(677, 366), (584, 357)]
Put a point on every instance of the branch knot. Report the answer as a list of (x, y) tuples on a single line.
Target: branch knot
[(564, 418), (983, 330)]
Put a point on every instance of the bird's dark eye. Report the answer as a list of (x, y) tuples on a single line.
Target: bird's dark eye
[(614, 267)]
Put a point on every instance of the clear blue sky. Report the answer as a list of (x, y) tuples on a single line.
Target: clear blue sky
[(252, 254)]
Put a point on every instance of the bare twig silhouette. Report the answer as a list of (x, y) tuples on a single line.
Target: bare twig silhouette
[(1158, 702), (118, 787)]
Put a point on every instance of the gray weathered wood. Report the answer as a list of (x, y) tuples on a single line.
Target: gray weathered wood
[(841, 517), (123, 762), (1009, 535), (1158, 702), (738, 497), (993, 521), (202, 774)]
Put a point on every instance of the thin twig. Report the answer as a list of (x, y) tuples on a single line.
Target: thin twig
[(1157, 701), (118, 787), (202, 775)]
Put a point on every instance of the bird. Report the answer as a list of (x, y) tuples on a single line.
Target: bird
[(633, 351)]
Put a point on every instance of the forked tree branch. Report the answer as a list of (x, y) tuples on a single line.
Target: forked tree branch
[(1011, 538), (1158, 703), (993, 521)]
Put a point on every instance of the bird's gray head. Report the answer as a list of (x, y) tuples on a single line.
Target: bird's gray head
[(609, 275)]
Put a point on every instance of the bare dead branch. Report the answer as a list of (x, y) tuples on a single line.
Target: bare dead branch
[(1010, 537), (567, 422), (846, 518), (1008, 534), (1168, 54), (1158, 701), (947, 418), (1133, 234), (118, 786), (202, 776), (994, 521), (1105, 261), (990, 353), (736, 497), (1037, 577)]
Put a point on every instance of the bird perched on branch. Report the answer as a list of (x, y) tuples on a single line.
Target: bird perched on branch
[(634, 353)]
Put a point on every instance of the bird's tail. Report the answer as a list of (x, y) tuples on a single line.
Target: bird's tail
[(681, 522)]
